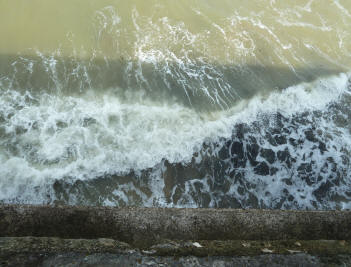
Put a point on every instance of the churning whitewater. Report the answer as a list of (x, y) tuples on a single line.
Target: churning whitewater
[(176, 103)]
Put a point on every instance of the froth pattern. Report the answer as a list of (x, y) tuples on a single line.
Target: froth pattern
[(256, 154)]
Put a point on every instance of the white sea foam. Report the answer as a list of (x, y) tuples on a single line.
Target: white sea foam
[(52, 137), (270, 189)]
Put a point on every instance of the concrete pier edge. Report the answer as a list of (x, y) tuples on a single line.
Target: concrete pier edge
[(52, 251), (144, 227), (33, 235)]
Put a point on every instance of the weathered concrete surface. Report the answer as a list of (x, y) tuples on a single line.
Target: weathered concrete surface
[(43, 251), (199, 248), (136, 259), (143, 227)]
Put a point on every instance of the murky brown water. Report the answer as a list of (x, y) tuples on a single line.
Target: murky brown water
[(175, 103)]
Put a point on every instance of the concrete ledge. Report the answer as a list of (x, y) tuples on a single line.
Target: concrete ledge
[(143, 227), (43, 251), (199, 248)]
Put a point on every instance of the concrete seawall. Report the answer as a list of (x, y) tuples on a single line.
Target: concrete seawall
[(105, 236), (143, 227)]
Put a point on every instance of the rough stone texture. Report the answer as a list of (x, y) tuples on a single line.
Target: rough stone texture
[(43, 251), (199, 248), (136, 259), (143, 227)]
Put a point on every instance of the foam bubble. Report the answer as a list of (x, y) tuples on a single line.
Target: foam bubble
[(51, 137)]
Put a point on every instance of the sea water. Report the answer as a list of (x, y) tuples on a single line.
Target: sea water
[(176, 103)]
